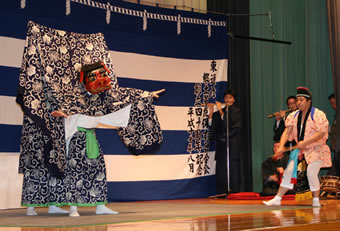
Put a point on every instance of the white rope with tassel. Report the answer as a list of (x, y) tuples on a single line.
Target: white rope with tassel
[(179, 19), (23, 4), (108, 13), (179, 24), (145, 22), (145, 14), (209, 28), (68, 7)]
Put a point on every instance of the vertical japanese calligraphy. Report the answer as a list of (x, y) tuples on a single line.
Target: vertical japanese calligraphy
[(198, 140)]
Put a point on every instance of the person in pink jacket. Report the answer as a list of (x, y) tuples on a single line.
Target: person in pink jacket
[(308, 126)]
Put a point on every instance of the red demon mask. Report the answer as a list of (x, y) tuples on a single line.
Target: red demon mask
[(95, 77)]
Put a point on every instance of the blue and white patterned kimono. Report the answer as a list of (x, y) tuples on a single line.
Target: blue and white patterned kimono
[(48, 82)]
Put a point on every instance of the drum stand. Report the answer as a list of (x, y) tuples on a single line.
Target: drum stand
[(331, 195), (330, 187)]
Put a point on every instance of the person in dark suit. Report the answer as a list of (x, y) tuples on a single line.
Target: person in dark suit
[(225, 126), (335, 170), (279, 125)]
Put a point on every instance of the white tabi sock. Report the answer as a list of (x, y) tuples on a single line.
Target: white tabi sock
[(275, 201), (316, 202), (55, 209), (102, 209), (31, 211), (74, 211)]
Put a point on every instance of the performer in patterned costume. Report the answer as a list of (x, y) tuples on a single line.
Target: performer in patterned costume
[(49, 82), (309, 128)]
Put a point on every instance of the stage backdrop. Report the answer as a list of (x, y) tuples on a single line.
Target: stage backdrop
[(151, 48)]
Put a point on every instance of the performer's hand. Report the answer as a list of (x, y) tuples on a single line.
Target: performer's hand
[(155, 93), (279, 115), (211, 106), (274, 178), (219, 105), (300, 156), (211, 109), (58, 114), (280, 170), (282, 114), (279, 152), (301, 145), (277, 156)]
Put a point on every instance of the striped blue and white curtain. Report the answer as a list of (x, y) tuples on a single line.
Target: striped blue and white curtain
[(151, 48)]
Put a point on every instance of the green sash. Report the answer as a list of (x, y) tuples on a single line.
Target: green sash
[(92, 148)]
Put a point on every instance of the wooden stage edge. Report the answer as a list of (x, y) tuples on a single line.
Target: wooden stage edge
[(184, 215)]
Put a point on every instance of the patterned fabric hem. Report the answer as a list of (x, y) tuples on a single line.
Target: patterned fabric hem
[(63, 204)]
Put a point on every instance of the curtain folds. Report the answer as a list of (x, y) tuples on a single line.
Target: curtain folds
[(333, 11)]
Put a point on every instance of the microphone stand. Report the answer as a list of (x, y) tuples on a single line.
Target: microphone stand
[(226, 117), (227, 147)]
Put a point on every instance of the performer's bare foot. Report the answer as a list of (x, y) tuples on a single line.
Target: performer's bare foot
[(102, 209), (31, 211), (54, 209)]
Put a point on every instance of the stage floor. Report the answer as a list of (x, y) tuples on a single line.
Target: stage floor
[(183, 215)]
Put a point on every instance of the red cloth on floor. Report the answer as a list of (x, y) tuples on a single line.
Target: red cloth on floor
[(255, 196)]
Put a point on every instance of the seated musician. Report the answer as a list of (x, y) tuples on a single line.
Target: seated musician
[(272, 171)]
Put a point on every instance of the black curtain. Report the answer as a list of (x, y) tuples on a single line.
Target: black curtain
[(333, 12), (238, 74)]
